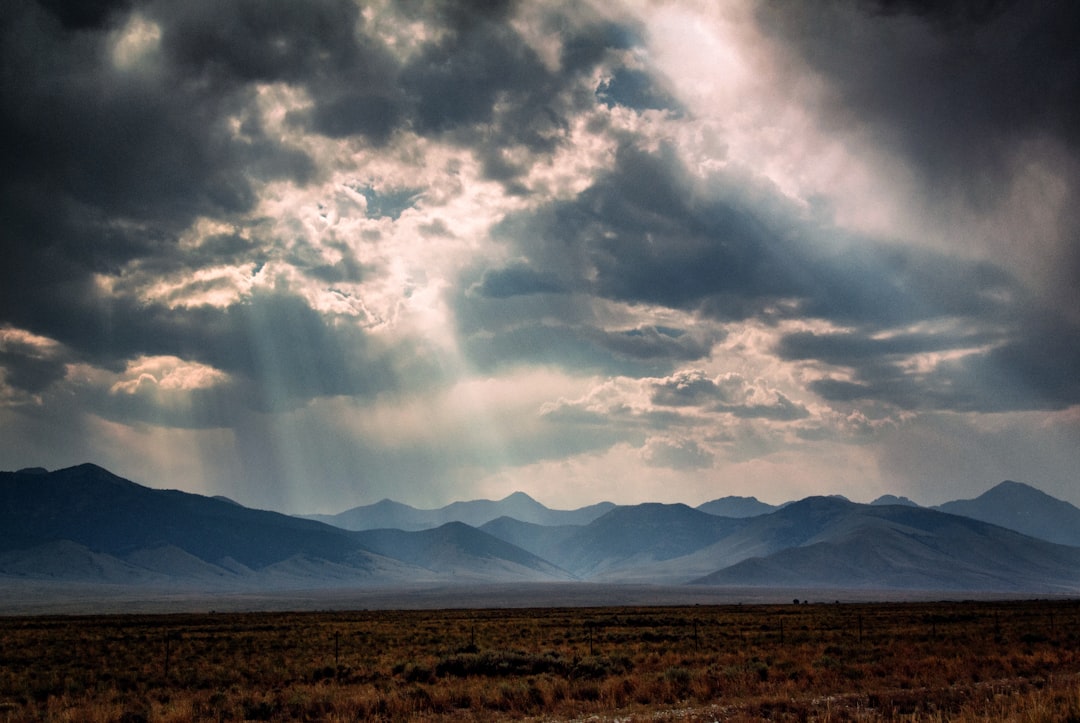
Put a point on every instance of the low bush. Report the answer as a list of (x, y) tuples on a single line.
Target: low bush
[(924, 661)]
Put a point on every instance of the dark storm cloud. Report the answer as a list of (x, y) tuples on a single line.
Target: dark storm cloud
[(454, 86), (644, 233), (1042, 360), (516, 315), (102, 167), (243, 40), (316, 44), (728, 394), (107, 144), (1030, 366), (223, 249), (868, 282), (518, 280), (483, 86), (781, 410), (84, 14), (969, 94), (26, 368), (660, 343), (949, 14), (584, 48), (478, 83), (278, 353), (456, 82), (635, 352), (635, 89), (851, 348), (952, 86), (688, 389), (638, 234)]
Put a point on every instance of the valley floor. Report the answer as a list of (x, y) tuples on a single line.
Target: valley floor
[(43, 597), (965, 661)]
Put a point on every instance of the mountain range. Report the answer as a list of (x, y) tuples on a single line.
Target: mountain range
[(1022, 508), (85, 524), (475, 513)]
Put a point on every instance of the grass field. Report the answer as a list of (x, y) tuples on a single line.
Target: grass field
[(966, 661)]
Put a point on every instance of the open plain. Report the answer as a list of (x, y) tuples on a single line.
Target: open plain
[(954, 660)]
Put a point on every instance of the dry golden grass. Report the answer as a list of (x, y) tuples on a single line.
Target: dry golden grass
[(971, 661)]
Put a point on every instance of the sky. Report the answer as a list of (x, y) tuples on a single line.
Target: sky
[(317, 253)]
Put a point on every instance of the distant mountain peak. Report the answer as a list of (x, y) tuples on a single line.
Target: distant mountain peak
[(1025, 509), (387, 502), (518, 496), (736, 506), (894, 500), (388, 513), (826, 501), (32, 470), (453, 527), (1010, 490), (651, 509), (223, 498), (89, 473), (1010, 485), (90, 468)]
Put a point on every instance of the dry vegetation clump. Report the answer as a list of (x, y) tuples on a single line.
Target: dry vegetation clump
[(970, 661)]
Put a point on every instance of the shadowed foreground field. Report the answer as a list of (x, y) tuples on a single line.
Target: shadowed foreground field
[(962, 661)]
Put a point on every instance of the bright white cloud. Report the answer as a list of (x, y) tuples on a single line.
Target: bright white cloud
[(136, 44), (166, 374)]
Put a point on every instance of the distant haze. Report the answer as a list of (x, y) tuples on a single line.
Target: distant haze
[(311, 255)]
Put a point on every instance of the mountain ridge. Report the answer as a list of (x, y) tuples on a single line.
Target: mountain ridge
[(902, 546), (519, 505), (736, 506), (1023, 508), (119, 529), (85, 523)]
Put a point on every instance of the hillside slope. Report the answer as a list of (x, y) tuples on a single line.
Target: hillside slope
[(1025, 509), (828, 543), (87, 524)]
